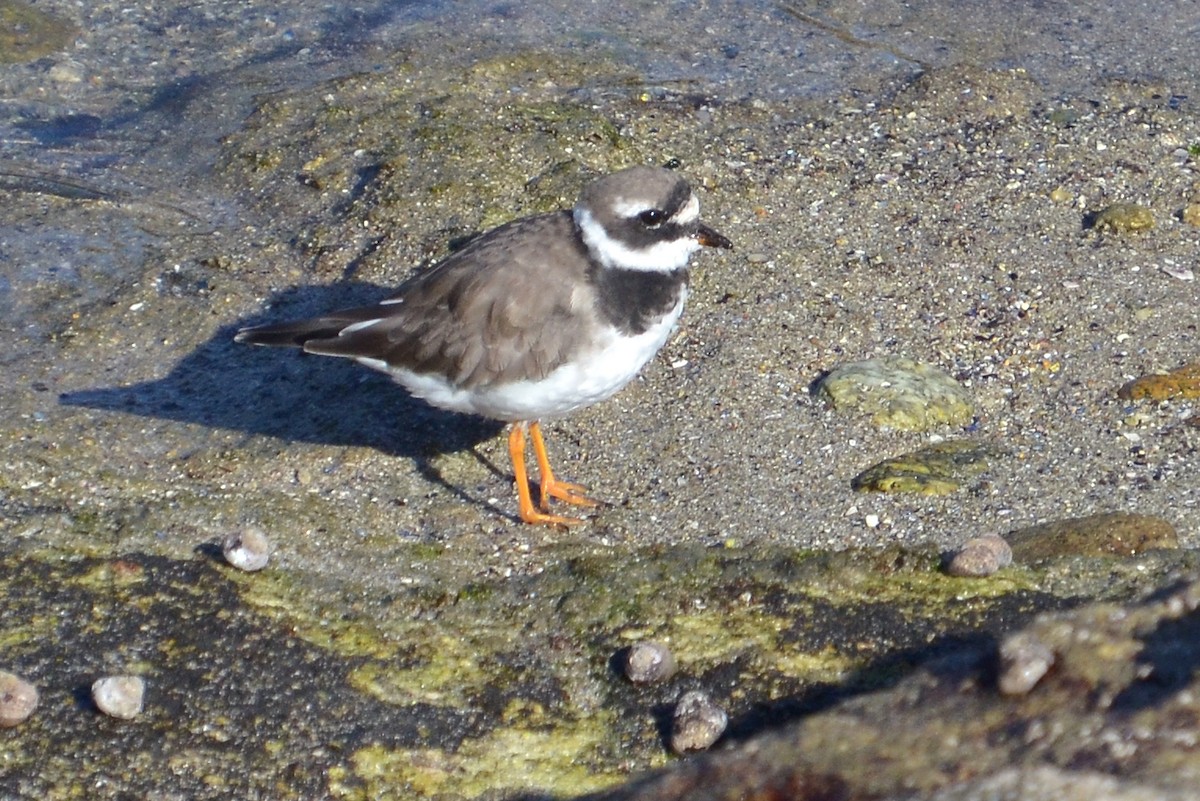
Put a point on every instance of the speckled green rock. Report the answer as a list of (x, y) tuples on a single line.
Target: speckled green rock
[(935, 470), (898, 393), (484, 689), (27, 34), (1122, 218), (425, 142), (1106, 534)]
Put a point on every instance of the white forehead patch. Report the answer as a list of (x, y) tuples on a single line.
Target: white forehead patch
[(689, 213), (628, 209)]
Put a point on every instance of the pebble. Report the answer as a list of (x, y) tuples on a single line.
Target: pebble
[(1061, 195), (1191, 214), (119, 696), (934, 470), (898, 393), (648, 662), (247, 549), (18, 699), (66, 72), (1121, 218), (980, 556), (697, 723), (1178, 272), (1024, 659)]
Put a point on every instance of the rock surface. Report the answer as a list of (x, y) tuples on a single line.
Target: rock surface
[(1095, 726), (181, 170)]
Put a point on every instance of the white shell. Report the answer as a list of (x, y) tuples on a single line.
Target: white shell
[(648, 662), (18, 699), (247, 549), (697, 723), (119, 696)]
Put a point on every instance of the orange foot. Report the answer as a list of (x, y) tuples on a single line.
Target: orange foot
[(550, 486)]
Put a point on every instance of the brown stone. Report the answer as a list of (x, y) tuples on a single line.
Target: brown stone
[(1181, 383), (1105, 534)]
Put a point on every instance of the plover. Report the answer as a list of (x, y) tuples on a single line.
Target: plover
[(534, 319)]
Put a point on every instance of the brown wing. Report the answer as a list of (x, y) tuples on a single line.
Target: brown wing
[(505, 307)]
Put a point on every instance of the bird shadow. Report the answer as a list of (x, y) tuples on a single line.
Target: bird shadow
[(290, 395)]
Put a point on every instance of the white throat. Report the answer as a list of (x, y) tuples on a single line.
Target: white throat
[(666, 256)]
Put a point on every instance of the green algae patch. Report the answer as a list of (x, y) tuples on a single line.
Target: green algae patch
[(27, 33), (850, 579), (897, 393), (552, 758), (441, 669), (705, 642), (312, 616), (934, 470)]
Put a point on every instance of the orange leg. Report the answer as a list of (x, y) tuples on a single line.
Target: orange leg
[(516, 452), (551, 486)]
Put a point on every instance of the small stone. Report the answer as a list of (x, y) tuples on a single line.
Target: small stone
[(119, 696), (18, 699), (247, 549), (1024, 659), (697, 723), (1178, 272), (66, 72), (980, 556), (898, 393), (1060, 195), (1121, 218), (1191, 214), (648, 662)]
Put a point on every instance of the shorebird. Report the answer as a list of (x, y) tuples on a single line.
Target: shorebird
[(534, 319)]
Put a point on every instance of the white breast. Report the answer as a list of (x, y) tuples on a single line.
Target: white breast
[(596, 375)]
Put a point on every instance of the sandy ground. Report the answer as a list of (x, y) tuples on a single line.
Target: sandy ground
[(921, 227)]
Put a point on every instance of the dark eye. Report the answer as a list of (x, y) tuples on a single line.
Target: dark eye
[(652, 218)]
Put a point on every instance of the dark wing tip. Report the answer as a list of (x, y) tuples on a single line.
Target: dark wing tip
[(291, 335)]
